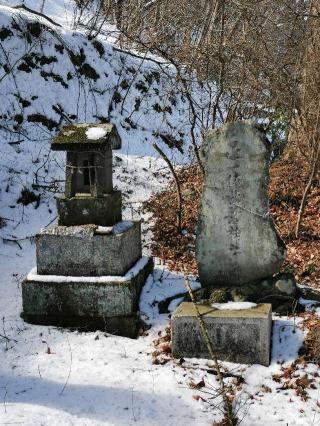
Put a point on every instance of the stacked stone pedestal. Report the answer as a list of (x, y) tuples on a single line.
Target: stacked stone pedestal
[(70, 296), (90, 269)]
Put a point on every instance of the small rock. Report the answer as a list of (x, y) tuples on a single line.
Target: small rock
[(286, 286)]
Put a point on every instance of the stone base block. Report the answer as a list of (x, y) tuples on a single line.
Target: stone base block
[(125, 325), (241, 336), (88, 250), (84, 209), (108, 303)]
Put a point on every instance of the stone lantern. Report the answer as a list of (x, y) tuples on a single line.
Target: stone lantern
[(90, 269), (89, 195)]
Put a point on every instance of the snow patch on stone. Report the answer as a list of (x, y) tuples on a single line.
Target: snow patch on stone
[(34, 276), (95, 133), (234, 306), (104, 230)]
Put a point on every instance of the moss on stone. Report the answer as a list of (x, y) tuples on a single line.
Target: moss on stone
[(219, 296), (75, 134)]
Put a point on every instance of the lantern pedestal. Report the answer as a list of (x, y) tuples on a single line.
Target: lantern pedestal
[(107, 303)]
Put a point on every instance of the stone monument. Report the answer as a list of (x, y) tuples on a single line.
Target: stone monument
[(238, 250), (236, 240), (90, 268)]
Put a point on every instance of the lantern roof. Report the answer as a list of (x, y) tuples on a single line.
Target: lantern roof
[(84, 136)]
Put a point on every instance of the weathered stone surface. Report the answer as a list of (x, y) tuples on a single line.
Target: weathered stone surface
[(283, 284), (84, 209), (281, 291), (242, 336), (236, 240), (106, 303), (87, 251)]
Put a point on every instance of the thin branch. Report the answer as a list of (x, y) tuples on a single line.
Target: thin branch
[(174, 174), (70, 367), (228, 409)]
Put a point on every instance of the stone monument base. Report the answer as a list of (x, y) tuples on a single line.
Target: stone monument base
[(107, 303), (241, 336), (280, 290)]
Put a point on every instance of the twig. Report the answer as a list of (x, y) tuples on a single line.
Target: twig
[(210, 370), (134, 417), (10, 240), (70, 366), (51, 221), (4, 399), (15, 142), (8, 338), (42, 15)]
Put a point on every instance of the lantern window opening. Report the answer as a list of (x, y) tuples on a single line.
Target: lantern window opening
[(89, 175)]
